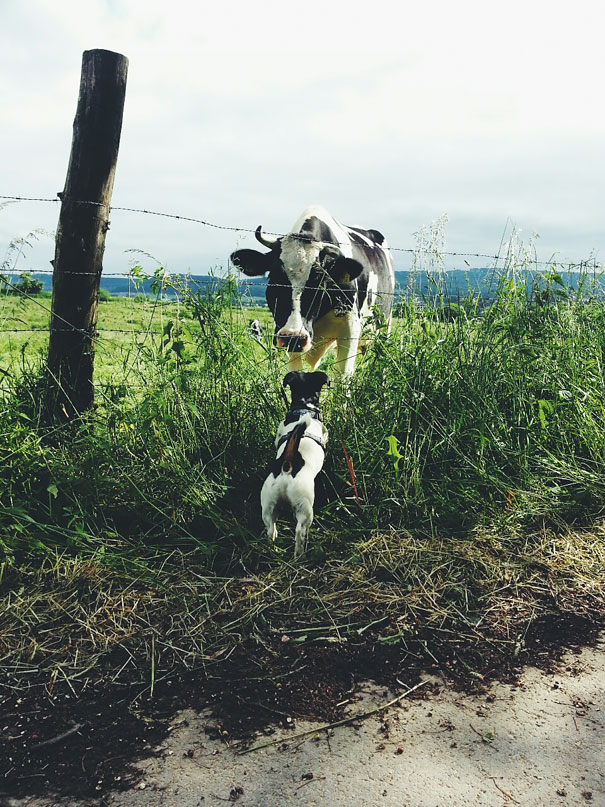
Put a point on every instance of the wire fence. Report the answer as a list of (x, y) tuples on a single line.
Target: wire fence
[(507, 257), (573, 265)]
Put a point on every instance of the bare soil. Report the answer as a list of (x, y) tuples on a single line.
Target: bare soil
[(89, 742), (535, 741)]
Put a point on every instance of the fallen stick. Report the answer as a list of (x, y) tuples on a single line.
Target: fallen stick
[(59, 737), (508, 795), (327, 726)]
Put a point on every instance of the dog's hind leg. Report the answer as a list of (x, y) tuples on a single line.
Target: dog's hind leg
[(267, 505), (269, 520), (304, 519)]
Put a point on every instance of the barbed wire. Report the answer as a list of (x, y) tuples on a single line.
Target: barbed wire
[(176, 297), (65, 330), (569, 266), (129, 210), (103, 342), (72, 327), (95, 335), (160, 296), (122, 275), (239, 229)]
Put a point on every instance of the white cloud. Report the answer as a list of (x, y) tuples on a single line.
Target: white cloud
[(388, 113)]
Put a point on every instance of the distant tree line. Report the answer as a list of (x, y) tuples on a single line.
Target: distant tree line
[(25, 285)]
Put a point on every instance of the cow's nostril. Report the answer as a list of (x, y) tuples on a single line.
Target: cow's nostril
[(294, 343)]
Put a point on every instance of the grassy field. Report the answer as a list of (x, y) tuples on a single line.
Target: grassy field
[(127, 327), (477, 439)]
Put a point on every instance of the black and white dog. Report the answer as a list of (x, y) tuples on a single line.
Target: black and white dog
[(300, 442)]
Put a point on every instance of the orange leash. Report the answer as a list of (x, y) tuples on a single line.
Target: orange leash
[(351, 471)]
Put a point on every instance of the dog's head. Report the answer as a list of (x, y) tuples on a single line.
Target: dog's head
[(305, 388)]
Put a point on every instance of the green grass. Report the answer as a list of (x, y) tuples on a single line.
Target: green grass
[(125, 325), (450, 422), (477, 439)]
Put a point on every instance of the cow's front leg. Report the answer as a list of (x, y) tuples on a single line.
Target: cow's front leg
[(348, 348), (317, 352), (295, 362)]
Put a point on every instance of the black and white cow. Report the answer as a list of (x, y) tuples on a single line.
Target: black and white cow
[(324, 280)]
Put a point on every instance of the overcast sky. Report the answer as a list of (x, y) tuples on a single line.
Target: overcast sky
[(242, 113)]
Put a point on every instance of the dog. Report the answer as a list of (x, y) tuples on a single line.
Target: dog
[(300, 442)]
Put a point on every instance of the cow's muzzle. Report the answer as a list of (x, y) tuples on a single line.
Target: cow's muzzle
[(293, 342)]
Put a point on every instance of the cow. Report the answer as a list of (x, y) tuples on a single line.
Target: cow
[(255, 329), (324, 280)]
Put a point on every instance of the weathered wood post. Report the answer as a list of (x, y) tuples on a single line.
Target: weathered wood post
[(83, 224)]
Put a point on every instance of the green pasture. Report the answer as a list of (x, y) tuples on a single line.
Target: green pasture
[(127, 328), (461, 416)]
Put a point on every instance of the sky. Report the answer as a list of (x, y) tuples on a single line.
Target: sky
[(392, 115)]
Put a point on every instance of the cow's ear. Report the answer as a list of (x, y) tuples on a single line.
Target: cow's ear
[(251, 262), (343, 270), (377, 237)]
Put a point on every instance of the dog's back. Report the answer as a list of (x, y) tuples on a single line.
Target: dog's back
[(291, 480), (290, 460)]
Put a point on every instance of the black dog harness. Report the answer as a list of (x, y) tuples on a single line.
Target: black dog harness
[(295, 414)]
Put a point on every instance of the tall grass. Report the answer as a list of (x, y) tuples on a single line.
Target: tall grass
[(497, 414), (465, 416), (475, 439)]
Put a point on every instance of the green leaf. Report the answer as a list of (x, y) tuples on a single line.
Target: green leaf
[(544, 407), (178, 346), (393, 451)]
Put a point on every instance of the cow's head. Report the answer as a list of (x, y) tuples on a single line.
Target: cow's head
[(307, 278)]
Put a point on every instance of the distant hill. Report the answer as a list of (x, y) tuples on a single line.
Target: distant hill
[(449, 285)]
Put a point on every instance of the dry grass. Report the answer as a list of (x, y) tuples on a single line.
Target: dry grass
[(69, 616)]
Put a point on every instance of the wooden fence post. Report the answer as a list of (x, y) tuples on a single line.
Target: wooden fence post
[(83, 224)]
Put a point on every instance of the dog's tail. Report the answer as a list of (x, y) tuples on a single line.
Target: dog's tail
[(288, 458)]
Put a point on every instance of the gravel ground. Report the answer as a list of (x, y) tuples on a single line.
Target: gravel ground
[(538, 741)]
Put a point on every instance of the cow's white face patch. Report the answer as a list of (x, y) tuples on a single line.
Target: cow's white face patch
[(298, 257)]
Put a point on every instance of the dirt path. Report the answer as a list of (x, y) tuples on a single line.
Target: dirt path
[(539, 742)]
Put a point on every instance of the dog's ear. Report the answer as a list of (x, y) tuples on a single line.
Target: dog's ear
[(289, 378), (320, 378)]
